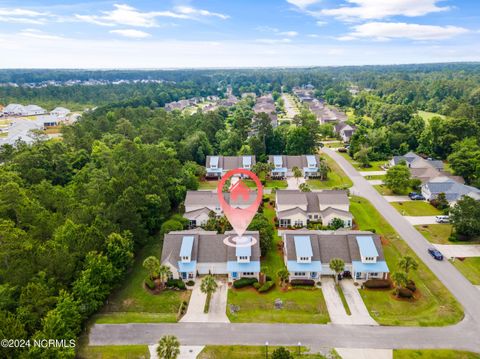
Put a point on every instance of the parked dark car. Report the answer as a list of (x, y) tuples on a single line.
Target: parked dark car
[(435, 253), (416, 196)]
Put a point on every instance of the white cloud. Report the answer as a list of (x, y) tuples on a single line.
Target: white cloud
[(23, 16), (379, 9), (321, 23), (132, 33), (288, 33), (302, 4), (313, 36), (388, 30), (273, 41), (123, 14), (37, 34)]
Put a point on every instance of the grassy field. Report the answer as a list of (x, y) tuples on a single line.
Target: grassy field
[(374, 165), (427, 116), (114, 352), (416, 208), (132, 303), (248, 352), (436, 233), (434, 306), (470, 268), (208, 185), (385, 191), (375, 177), (433, 354), (336, 177)]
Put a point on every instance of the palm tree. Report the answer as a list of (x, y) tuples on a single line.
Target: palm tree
[(168, 347), (297, 173), (208, 286), (323, 169), (407, 263), (337, 265), (400, 279), (283, 275), (164, 273), (152, 264)]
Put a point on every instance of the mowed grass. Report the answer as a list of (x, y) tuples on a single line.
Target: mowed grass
[(374, 165), (433, 354), (132, 303), (114, 352), (416, 208), (211, 184), (436, 233), (470, 268), (434, 306), (249, 352), (336, 177), (385, 191)]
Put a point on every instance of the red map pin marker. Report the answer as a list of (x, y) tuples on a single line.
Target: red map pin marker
[(239, 218)]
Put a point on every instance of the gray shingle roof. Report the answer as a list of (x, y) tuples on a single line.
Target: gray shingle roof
[(229, 162), (205, 198), (294, 161)]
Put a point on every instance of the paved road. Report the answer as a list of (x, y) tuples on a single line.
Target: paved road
[(462, 336), (418, 220)]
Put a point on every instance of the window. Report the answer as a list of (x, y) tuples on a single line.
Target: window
[(299, 274), (185, 258), (243, 258), (315, 216), (284, 222), (299, 222), (248, 273), (313, 274), (304, 259), (374, 274)]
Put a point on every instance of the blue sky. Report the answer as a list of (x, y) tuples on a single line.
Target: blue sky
[(236, 33)]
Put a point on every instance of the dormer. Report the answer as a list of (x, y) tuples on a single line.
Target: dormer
[(214, 162), (243, 253), (278, 161), (247, 162), (311, 161), (186, 249), (368, 251), (303, 249)]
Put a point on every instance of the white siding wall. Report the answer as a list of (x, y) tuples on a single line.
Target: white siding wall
[(327, 219), (295, 217), (214, 268)]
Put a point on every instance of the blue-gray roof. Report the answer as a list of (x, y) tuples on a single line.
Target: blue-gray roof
[(187, 245), (244, 249), (294, 266), (366, 246), (234, 266), (187, 267), (303, 246), (378, 267), (214, 161), (277, 160), (452, 189), (247, 160), (311, 161)]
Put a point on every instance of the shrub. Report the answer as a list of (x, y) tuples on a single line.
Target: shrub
[(268, 278), (244, 282), (191, 283), (342, 150), (171, 225), (176, 283), (411, 285), (405, 293), (377, 283), (256, 285), (149, 283), (266, 286), (302, 282)]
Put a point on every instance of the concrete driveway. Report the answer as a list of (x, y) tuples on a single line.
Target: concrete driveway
[(375, 182), (334, 302), (293, 182), (397, 198), (459, 250), (186, 351), (373, 173), (348, 353), (218, 305), (416, 220), (360, 314)]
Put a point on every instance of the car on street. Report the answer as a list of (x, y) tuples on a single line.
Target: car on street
[(435, 253), (442, 219)]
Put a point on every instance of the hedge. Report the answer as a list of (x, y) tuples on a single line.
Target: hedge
[(266, 286), (149, 283), (405, 293), (191, 283), (411, 286), (244, 282), (176, 283), (377, 283), (303, 282)]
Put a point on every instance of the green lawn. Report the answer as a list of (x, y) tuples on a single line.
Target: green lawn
[(385, 191), (208, 185), (132, 303), (374, 165), (416, 208), (375, 177), (248, 352), (470, 268), (336, 144), (433, 354), (435, 306), (114, 352), (299, 306), (427, 116), (436, 233), (336, 177)]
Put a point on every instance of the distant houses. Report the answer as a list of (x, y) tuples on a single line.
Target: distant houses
[(16, 109), (60, 112), (307, 254), (296, 209), (453, 190), (217, 166), (345, 131), (198, 252), (283, 165), (266, 104)]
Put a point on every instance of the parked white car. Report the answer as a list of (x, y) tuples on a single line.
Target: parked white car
[(442, 219)]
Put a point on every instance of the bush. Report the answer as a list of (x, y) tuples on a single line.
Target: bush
[(302, 282), (266, 286), (342, 150), (377, 283), (191, 283), (176, 283), (171, 225), (244, 282), (149, 283), (256, 285), (268, 278), (411, 285), (405, 293)]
